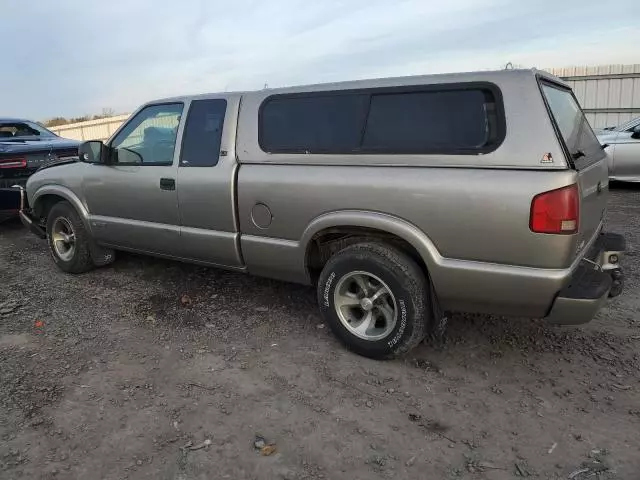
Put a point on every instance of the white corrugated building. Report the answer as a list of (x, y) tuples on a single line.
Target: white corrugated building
[(609, 94)]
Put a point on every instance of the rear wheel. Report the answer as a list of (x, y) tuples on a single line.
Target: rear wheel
[(68, 240), (375, 299)]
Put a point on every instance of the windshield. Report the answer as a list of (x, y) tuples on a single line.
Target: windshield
[(628, 125), (576, 132), (22, 128)]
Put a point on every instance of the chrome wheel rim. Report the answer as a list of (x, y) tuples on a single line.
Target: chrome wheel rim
[(63, 238), (365, 305)]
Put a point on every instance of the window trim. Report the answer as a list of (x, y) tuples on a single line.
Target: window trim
[(371, 91), (131, 119), (184, 133)]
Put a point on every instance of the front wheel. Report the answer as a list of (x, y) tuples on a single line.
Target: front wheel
[(68, 239), (375, 299)]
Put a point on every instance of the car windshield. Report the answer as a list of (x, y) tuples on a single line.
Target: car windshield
[(628, 125), (18, 129)]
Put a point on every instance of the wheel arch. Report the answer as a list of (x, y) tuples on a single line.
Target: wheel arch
[(48, 195), (345, 226)]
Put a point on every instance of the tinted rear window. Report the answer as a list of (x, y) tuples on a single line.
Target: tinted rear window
[(424, 122), (318, 124), (382, 121), (582, 144)]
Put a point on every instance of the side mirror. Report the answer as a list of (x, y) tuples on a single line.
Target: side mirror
[(636, 132), (93, 151)]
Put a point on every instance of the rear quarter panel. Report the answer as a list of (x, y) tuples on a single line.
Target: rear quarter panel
[(473, 223), (469, 214)]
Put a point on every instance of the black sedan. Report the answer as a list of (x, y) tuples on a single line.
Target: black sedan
[(24, 147)]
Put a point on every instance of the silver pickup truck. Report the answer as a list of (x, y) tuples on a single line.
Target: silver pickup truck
[(398, 198)]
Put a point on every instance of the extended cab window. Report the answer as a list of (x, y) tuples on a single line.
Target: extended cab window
[(411, 120), (150, 137), (203, 133), (582, 144)]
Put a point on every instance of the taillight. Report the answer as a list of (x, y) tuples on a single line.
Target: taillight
[(16, 162), (556, 211)]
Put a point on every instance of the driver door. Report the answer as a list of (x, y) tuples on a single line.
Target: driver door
[(133, 201)]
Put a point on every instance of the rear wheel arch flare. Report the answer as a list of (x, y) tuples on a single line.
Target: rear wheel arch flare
[(344, 227)]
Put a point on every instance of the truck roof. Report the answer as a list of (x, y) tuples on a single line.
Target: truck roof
[(384, 81)]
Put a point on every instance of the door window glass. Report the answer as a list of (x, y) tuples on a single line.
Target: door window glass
[(203, 133), (150, 137)]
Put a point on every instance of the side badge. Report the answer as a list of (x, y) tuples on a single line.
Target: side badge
[(547, 158)]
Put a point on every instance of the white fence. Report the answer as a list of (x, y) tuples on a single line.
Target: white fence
[(100, 129)]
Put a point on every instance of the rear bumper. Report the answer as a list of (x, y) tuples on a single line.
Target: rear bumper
[(10, 199), (598, 277)]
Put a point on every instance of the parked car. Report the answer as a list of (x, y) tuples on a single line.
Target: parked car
[(623, 146), (398, 198), (24, 147)]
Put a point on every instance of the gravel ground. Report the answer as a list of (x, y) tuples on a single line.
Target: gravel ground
[(153, 369)]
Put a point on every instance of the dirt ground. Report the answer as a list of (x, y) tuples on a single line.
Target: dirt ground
[(150, 369)]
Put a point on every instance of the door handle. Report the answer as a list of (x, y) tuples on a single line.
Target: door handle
[(167, 184)]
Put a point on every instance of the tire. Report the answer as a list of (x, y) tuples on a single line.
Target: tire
[(74, 255), (363, 270)]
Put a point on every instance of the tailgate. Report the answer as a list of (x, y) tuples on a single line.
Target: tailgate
[(584, 154), (593, 182)]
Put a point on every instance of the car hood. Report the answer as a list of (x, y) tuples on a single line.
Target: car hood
[(607, 136), (32, 145)]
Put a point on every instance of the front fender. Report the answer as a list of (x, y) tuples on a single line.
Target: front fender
[(65, 193)]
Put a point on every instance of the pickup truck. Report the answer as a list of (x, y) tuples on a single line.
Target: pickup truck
[(398, 199)]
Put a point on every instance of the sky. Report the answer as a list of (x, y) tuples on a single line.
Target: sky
[(75, 57)]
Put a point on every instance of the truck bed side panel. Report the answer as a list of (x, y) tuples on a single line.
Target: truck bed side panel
[(479, 216)]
